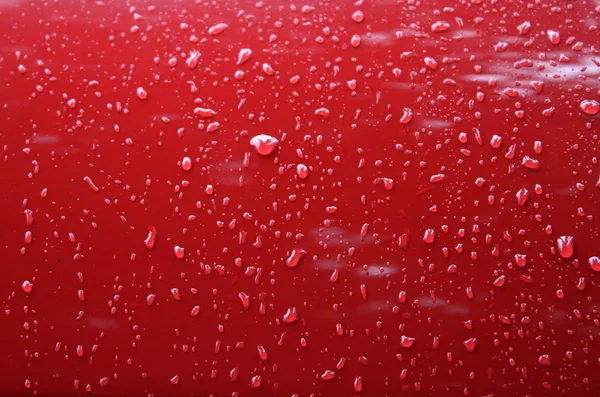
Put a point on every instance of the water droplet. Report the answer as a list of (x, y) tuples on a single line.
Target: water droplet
[(554, 36), (264, 144), (524, 28), (186, 163), (295, 256), (291, 316), (566, 245), (594, 263), (431, 63), (429, 236), (262, 353), (195, 311), (358, 16), (470, 344), (440, 26), (256, 382), (328, 375), (205, 112), (245, 300), (217, 29), (358, 384), (302, 171), (323, 112), (590, 107), (141, 93), (406, 116), (179, 252), (437, 178), (151, 239), (499, 282), (406, 341), (521, 260), (268, 69), (244, 55), (212, 127), (522, 197), (531, 163), (90, 183), (27, 287), (544, 360), (150, 299), (193, 59)]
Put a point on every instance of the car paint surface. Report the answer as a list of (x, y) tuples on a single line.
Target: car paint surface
[(279, 198)]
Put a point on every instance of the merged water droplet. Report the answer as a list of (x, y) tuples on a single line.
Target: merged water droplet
[(294, 259), (264, 144), (27, 287), (291, 316), (566, 246), (243, 56)]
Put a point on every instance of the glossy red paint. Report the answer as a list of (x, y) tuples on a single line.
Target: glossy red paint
[(417, 218)]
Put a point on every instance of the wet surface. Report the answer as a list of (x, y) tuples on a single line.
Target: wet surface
[(321, 198)]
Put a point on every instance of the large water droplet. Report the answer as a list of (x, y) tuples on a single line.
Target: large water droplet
[(566, 246), (590, 107), (264, 144)]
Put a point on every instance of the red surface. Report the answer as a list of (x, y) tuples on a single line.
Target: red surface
[(484, 322)]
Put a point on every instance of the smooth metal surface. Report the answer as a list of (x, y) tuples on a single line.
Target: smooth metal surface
[(424, 225)]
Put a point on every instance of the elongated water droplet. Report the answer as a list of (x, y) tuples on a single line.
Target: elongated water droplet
[(151, 239), (193, 59), (244, 55), (217, 29), (440, 26), (262, 353), (328, 375)]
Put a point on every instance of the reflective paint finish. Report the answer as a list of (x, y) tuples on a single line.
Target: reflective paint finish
[(321, 198)]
